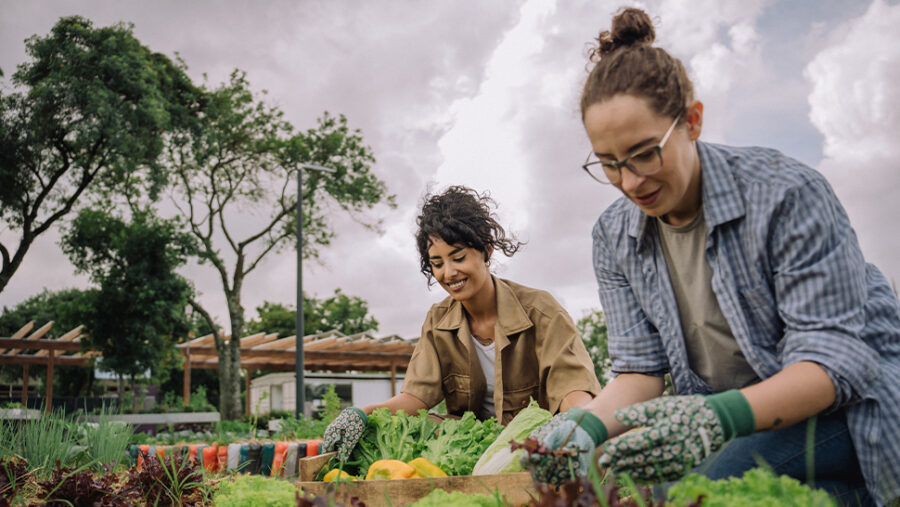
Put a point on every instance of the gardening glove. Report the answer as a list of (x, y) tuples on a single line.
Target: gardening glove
[(344, 432), (577, 430), (677, 434)]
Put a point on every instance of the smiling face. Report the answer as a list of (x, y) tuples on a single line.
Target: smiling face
[(462, 271), (624, 124)]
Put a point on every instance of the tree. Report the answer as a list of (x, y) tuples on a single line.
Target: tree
[(346, 314), (88, 118), (140, 306), (241, 166), (594, 334), (67, 309)]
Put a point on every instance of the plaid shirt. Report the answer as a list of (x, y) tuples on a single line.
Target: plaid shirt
[(792, 283)]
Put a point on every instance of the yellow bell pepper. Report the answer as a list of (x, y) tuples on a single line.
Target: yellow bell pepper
[(337, 473), (389, 469), (425, 468)]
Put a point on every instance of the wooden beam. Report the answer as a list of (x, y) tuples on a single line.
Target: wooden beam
[(49, 403), (247, 395), (187, 377), (393, 379), (23, 331), (29, 344), (25, 374), (41, 331), (60, 361)]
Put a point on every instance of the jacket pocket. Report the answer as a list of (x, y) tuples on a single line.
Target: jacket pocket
[(517, 398), (456, 392)]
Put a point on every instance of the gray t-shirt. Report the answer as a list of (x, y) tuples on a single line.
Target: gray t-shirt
[(713, 353)]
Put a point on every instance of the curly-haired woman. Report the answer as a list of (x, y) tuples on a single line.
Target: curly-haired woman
[(492, 344)]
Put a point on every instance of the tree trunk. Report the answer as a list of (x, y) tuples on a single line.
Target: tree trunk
[(121, 388), (134, 394), (233, 392)]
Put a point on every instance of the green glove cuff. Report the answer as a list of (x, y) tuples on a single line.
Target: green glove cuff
[(589, 423), (734, 412), (362, 414)]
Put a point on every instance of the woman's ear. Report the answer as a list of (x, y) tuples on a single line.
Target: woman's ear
[(694, 118), (488, 251)]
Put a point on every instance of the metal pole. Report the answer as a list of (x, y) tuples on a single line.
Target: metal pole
[(298, 383)]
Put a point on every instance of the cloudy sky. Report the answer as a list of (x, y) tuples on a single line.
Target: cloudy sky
[(486, 94)]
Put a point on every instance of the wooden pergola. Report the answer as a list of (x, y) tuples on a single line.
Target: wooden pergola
[(328, 351), (63, 351)]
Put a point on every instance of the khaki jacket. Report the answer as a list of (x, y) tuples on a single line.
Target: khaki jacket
[(539, 354)]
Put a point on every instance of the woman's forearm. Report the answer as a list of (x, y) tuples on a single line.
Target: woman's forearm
[(403, 401), (624, 390), (575, 399), (795, 393)]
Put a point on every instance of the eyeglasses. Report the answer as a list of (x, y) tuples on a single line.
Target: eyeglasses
[(645, 162)]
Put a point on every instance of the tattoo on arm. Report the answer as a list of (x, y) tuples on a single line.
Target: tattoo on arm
[(775, 424)]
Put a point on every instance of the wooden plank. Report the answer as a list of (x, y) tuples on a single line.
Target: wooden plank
[(23, 331), (308, 468), (59, 361), (518, 488), (71, 336), (41, 331), (39, 345)]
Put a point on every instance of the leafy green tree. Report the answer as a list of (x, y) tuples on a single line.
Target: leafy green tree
[(347, 314), (141, 302), (239, 169), (594, 333), (87, 118), (67, 309)]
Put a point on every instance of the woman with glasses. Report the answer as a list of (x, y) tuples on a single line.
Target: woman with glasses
[(736, 271), (492, 345)]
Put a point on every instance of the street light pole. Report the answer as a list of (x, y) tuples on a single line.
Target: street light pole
[(298, 385)]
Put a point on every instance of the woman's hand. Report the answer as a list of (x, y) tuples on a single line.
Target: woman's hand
[(344, 432), (578, 433)]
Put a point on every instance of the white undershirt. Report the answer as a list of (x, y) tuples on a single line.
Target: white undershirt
[(486, 358)]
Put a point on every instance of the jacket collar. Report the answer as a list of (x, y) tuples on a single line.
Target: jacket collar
[(722, 201), (511, 316)]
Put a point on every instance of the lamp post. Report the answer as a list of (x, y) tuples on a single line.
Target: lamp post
[(299, 409)]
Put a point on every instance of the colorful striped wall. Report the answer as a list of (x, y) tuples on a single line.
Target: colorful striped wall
[(257, 458)]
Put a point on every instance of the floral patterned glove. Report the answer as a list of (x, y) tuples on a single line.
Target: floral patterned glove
[(344, 432), (677, 434), (543, 430), (576, 430)]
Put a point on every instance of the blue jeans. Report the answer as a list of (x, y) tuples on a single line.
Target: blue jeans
[(835, 465)]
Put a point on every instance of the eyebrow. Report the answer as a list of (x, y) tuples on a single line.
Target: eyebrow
[(454, 252), (633, 148)]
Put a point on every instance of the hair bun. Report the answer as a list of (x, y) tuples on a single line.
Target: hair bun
[(630, 27)]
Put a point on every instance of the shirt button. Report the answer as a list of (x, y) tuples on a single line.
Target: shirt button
[(524, 402)]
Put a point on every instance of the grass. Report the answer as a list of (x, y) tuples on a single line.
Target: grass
[(40, 442)]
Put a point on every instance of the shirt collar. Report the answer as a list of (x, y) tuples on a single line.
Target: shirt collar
[(511, 316), (722, 199)]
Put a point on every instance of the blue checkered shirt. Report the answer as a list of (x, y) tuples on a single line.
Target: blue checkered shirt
[(792, 283)]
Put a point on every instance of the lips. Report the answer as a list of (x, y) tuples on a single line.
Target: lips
[(456, 285), (647, 199)]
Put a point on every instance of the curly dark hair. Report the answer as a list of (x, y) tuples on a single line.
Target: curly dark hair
[(460, 216)]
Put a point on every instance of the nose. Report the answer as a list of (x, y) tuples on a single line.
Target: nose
[(448, 271), (630, 181)]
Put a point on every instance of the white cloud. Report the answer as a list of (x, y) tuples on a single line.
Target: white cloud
[(855, 103), (482, 149)]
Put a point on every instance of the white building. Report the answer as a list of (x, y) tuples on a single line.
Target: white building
[(355, 389)]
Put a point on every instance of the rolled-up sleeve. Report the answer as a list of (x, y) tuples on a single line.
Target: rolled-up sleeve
[(820, 289), (565, 360), (634, 343), (423, 375)]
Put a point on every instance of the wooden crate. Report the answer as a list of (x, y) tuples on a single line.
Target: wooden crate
[(518, 488)]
